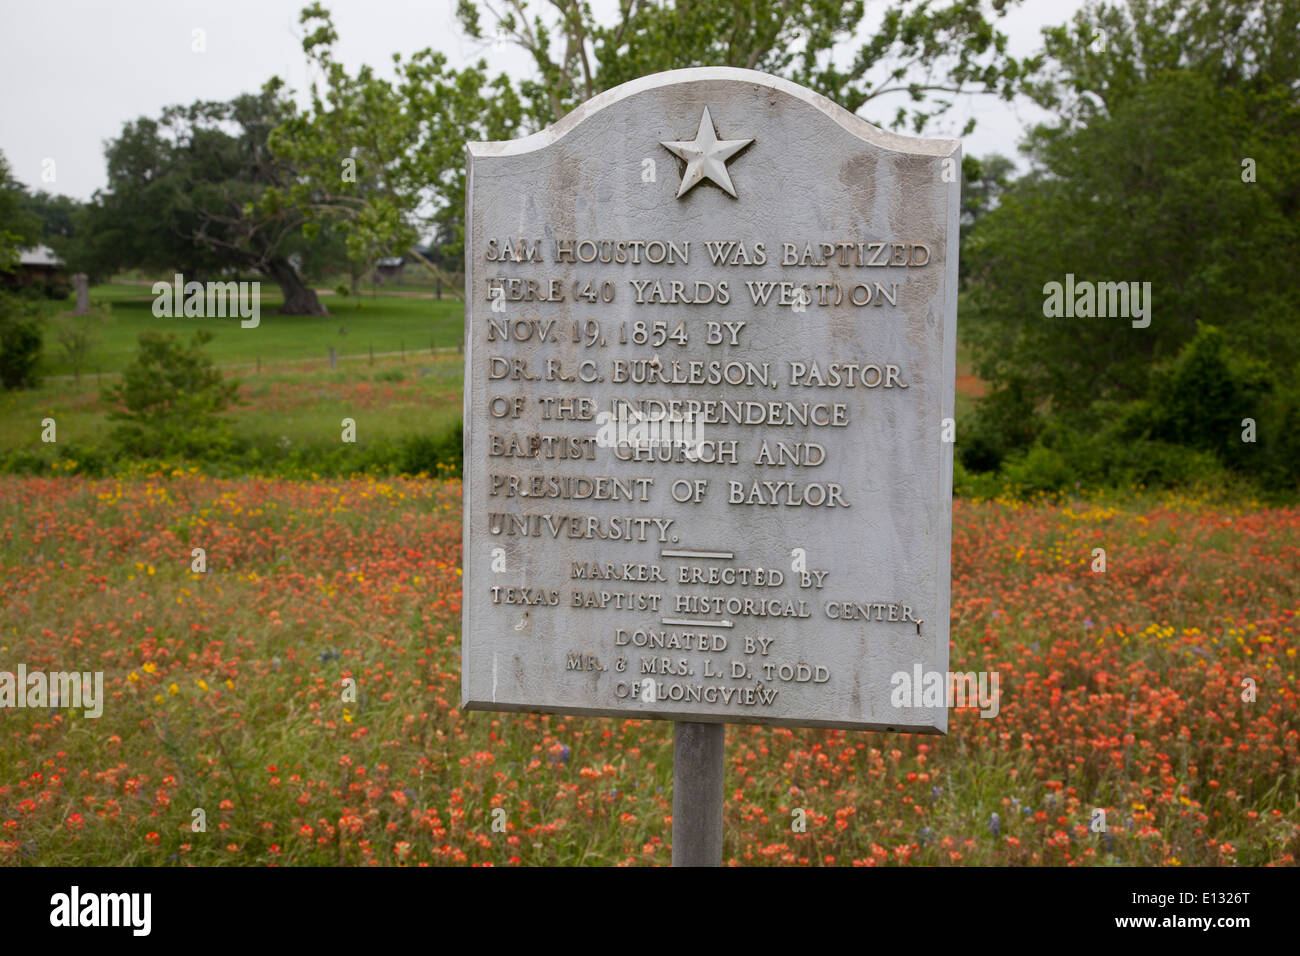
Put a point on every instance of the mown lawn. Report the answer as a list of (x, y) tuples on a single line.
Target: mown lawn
[(386, 323)]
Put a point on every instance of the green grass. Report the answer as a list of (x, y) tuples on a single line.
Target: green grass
[(292, 398), (299, 405), (386, 323)]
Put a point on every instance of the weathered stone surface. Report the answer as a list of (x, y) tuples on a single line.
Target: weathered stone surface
[(81, 285), (816, 564)]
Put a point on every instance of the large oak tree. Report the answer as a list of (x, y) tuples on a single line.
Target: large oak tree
[(183, 193)]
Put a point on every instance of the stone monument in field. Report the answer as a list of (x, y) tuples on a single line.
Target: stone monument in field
[(709, 370)]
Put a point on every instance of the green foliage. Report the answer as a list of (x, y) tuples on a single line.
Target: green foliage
[(183, 195), (1189, 433), (1127, 200), (436, 455), (1109, 51), (1038, 471), (57, 460), (1141, 179), (1004, 421), (1274, 459), (76, 334), (58, 216), (170, 399), (382, 161), (982, 183), (1174, 161), (1107, 456), (21, 341), (1067, 461), (441, 454), (51, 288), (19, 226), (930, 51), (1201, 398)]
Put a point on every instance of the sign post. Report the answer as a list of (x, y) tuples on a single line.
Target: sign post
[(698, 771), (710, 356)]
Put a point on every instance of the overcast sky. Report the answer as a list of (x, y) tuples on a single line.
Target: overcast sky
[(73, 71)]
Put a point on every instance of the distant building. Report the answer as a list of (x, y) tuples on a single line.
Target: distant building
[(36, 265), (391, 268)]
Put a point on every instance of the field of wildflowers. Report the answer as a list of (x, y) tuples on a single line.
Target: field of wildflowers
[(1122, 691)]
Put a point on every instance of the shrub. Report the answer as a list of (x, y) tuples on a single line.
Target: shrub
[(21, 341), (977, 486), (1200, 398), (425, 453), (1004, 422), (1274, 458), (170, 399), (1038, 471)]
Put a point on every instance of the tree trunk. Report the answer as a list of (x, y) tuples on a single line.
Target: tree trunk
[(298, 298)]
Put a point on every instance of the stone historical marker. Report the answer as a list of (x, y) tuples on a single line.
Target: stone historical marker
[(709, 355)]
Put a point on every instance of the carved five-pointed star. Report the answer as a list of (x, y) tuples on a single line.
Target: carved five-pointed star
[(706, 157)]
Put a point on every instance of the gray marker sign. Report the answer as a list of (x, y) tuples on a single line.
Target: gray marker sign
[(709, 353)]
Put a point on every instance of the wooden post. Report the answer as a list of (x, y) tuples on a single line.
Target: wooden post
[(697, 793)]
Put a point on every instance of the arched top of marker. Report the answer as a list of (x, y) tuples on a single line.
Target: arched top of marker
[(880, 138)]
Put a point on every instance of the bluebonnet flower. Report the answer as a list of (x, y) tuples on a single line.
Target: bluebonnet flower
[(995, 824)]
